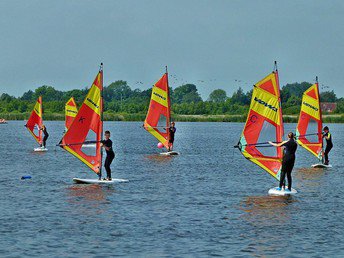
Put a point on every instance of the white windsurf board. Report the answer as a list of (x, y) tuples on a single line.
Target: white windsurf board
[(321, 165), (97, 181), (169, 153), (39, 149), (275, 191)]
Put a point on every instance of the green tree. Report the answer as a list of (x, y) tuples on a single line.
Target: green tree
[(218, 96), (328, 96), (186, 93), (118, 90)]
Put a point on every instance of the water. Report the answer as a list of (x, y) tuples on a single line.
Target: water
[(209, 201)]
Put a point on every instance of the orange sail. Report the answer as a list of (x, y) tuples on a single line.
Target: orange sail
[(264, 123), (87, 123), (158, 117), (35, 121), (309, 126), (71, 111)]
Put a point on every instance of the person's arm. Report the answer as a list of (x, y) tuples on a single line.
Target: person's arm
[(278, 144)]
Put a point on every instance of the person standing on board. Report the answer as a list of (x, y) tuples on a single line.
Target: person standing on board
[(328, 137), (172, 131), (288, 161), (110, 155), (46, 135)]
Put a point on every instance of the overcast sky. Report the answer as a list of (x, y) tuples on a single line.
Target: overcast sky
[(209, 43)]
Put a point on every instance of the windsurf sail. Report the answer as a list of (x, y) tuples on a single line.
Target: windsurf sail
[(309, 126), (87, 124), (158, 118), (35, 121), (71, 111), (264, 122)]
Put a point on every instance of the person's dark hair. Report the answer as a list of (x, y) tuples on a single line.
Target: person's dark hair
[(107, 132), (326, 128), (291, 135)]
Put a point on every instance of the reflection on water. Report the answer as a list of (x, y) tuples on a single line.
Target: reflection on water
[(266, 209), (264, 215), (89, 197), (158, 158), (309, 177)]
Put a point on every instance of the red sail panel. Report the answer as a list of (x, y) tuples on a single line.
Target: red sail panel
[(264, 121), (88, 121), (35, 121), (71, 110), (309, 126), (157, 120)]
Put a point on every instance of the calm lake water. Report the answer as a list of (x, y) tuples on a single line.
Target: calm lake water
[(209, 201)]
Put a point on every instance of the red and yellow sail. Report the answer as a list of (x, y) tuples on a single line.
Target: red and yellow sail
[(88, 119), (71, 110), (265, 110), (35, 121), (310, 113), (159, 110)]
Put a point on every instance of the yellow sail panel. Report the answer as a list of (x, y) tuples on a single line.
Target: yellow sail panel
[(310, 102), (71, 111), (93, 99), (38, 107), (266, 104)]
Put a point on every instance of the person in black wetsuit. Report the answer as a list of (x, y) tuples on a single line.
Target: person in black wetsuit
[(288, 161), (172, 131), (110, 155), (328, 137), (46, 135)]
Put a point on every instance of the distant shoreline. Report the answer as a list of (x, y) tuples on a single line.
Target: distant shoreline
[(328, 118)]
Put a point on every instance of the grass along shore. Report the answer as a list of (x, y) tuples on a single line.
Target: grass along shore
[(327, 118)]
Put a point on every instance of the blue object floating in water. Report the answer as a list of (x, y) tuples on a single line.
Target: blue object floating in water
[(25, 177)]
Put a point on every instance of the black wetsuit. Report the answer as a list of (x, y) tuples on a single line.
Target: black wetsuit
[(329, 146), (172, 131), (46, 135), (288, 162), (110, 155)]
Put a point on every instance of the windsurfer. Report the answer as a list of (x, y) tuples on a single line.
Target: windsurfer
[(328, 137), (110, 155), (288, 159), (172, 130), (46, 135)]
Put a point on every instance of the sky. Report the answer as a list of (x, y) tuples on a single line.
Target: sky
[(212, 44)]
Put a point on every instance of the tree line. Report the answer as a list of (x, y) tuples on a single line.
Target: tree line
[(121, 98)]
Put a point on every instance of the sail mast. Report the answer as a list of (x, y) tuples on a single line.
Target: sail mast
[(320, 113), (280, 129), (168, 118), (101, 118)]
